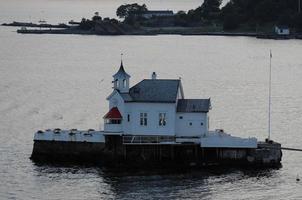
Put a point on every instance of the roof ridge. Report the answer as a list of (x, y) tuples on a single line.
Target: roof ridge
[(163, 79), (197, 99)]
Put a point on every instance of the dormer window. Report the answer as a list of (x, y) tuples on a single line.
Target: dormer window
[(124, 83)]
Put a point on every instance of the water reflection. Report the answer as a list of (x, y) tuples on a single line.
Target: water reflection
[(101, 182)]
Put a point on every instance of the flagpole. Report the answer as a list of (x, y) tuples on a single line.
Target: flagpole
[(270, 98)]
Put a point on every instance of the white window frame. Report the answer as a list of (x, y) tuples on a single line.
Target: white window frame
[(162, 119), (143, 118)]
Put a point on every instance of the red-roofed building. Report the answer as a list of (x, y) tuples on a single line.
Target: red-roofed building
[(113, 116)]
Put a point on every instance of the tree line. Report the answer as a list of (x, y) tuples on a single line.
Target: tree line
[(232, 15)]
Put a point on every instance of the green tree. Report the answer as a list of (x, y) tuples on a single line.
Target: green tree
[(96, 17), (231, 22), (230, 15), (265, 11), (210, 9), (180, 18), (298, 22), (124, 11)]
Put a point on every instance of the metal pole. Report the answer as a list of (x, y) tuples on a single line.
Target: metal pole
[(269, 98)]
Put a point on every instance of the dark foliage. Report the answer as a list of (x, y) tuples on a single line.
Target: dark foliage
[(87, 24), (281, 12), (233, 15), (124, 11)]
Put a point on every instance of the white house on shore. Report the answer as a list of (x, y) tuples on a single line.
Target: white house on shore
[(156, 13), (157, 108), (282, 30), (152, 13)]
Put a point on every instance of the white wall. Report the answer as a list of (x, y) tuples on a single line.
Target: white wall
[(117, 101), (183, 127), (153, 110)]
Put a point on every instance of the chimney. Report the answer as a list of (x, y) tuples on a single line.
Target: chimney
[(154, 76)]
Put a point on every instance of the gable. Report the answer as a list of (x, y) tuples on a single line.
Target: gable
[(114, 113)]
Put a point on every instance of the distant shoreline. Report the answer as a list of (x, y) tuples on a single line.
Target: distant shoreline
[(108, 29)]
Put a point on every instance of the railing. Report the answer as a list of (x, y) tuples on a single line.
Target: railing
[(139, 139)]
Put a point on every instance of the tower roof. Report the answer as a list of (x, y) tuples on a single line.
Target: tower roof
[(121, 72)]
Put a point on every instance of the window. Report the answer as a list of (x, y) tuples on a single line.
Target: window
[(162, 119), (113, 121), (143, 119), (201, 124), (128, 118), (190, 123), (180, 117), (124, 83)]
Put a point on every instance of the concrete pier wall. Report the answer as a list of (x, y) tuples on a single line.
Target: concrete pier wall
[(113, 152), (67, 151)]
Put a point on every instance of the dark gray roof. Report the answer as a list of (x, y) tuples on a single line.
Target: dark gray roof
[(155, 91), (193, 105)]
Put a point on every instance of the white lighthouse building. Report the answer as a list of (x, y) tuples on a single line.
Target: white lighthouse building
[(156, 110), (153, 122)]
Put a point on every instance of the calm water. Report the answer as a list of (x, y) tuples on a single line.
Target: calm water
[(49, 81)]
